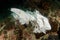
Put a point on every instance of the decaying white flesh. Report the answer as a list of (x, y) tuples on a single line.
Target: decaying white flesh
[(41, 25)]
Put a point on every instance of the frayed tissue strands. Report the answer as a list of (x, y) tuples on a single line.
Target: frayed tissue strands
[(24, 17)]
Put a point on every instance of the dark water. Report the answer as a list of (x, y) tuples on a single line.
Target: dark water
[(5, 6), (4, 14)]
